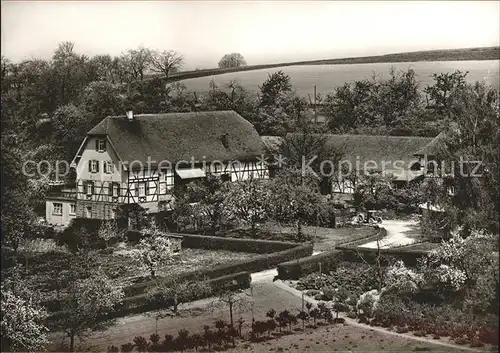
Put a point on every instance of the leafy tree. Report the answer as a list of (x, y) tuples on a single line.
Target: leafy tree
[(87, 305), (166, 62), (373, 190), (275, 88), (210, 193), (346, 107), (18, 217), (293, 198), (441, 95), (466, 152), (232, 60), (70, 125), (153, 252), (100, 99), (246, 201), (22, 324)]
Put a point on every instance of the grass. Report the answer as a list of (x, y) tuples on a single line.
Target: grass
[(324, 238), (485, 53)]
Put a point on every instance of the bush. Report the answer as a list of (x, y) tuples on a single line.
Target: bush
[(82, 233), (391, 311), (356, 278), (133, 235)]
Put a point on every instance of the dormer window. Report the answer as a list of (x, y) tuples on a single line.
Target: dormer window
[(100, 145)]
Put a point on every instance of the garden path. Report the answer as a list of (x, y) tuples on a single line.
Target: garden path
[(399, 233)]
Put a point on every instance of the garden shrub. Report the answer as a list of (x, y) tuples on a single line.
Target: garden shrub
[(368, 302), (391, 310), (356, 278), (81, 233), (133, 235)]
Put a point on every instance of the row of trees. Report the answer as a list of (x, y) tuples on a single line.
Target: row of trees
[(224, 334)]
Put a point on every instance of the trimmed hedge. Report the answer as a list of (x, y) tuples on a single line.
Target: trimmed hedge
[(295, 269), (379, 232), (256, 264), (140, 303), (234, 244)]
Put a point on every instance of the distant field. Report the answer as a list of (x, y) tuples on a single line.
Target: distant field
[(328, 77)]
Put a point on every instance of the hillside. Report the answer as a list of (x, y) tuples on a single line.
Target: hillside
[(484, 53)]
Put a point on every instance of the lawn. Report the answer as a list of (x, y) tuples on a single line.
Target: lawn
[(324, 238)]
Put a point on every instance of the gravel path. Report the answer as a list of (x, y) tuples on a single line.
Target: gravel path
[(399, 233)]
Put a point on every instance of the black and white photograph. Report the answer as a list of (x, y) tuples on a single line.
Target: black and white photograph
[(250, 176)]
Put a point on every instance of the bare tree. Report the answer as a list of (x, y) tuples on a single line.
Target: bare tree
[(166, 61), (137, 61), (231, 300)]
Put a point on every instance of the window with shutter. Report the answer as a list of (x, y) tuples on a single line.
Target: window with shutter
[(101, 145)]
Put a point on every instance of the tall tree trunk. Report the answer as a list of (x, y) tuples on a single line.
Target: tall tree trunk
[(231, 313), (72, 342)]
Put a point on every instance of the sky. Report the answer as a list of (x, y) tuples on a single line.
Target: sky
[(263, 32)]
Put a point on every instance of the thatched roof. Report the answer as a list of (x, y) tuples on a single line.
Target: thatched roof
[(215, 135), (434, 147), (363, 148)]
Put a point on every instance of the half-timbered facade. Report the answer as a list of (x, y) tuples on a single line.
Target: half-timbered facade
[(139, 159)]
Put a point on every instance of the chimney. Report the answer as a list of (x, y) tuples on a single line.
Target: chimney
[(130, 115)]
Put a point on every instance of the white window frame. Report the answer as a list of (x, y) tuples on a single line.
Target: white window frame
[(109, 167), (142, 188), (101, 145), (72, 209), (116, 187), (55, 206), (93, 165), (88, 187), (88, 212)]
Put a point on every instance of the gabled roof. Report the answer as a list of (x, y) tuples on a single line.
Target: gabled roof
[(378, 148), (434, 147), (180, 136)]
